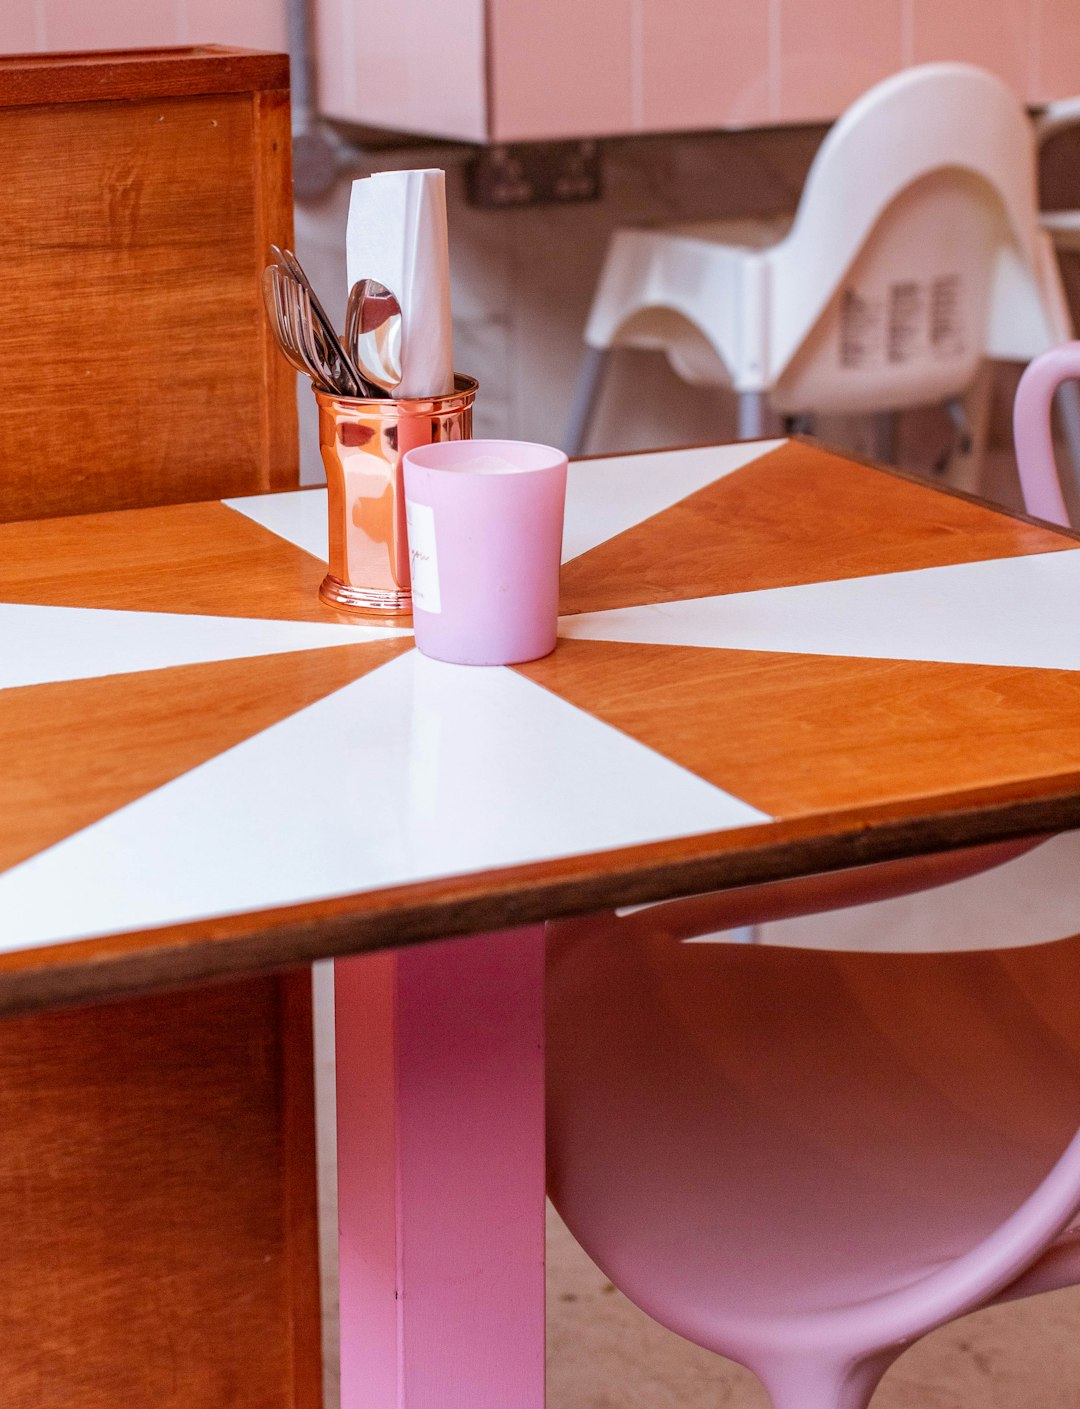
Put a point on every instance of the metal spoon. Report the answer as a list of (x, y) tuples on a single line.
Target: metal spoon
[(373, 333)]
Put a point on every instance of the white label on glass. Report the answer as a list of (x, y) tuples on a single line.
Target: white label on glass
[(423, 558)]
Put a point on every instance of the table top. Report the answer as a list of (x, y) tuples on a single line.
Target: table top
[(773, 660)]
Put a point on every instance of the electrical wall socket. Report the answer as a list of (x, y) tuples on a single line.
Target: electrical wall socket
[(534, 173)]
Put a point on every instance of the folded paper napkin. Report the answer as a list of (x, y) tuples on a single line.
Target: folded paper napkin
[(397, 234)]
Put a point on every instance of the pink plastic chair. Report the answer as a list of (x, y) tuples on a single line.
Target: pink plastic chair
[(806, 1161)]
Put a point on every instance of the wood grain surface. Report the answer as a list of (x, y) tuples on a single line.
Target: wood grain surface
[(797, 514), (109, 75), (157, 1176), (137, 364), (113, 739), (205, 559), (795, 734), (157, 1203)]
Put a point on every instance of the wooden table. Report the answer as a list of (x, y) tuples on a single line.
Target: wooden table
[(775, 661)]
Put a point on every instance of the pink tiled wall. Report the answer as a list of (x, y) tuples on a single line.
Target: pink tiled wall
[(606, 67), (1002, 39), (825, 55), (28, 26)]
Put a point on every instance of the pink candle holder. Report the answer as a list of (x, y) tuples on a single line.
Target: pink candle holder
[(485, 521)]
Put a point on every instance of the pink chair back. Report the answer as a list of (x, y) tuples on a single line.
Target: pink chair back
[(804, 1160), (1033, 430)]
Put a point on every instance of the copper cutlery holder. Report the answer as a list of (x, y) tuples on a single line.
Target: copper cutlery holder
[(362, 442)]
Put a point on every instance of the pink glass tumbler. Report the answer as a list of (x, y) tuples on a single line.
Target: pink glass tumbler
[(485, 521)]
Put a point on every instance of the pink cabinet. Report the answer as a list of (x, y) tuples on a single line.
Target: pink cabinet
[(533, 70)]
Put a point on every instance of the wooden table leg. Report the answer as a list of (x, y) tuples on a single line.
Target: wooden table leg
[(440, 1071)]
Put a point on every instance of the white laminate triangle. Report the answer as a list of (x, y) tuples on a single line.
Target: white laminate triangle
[(1007, 611), (1032, 900), (416, 770), (606, 497), (43, 644), (298, 515)]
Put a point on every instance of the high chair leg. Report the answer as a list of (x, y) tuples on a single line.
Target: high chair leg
[(590, 384), (752, 408)]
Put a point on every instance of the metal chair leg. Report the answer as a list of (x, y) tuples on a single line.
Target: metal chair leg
[(590, 383), (752, 407), (886, 437)]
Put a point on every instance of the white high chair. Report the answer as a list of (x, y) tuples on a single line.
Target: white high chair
[(915, 253)]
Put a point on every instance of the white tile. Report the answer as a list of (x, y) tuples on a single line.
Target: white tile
[(1006, 611), (606, 497), (299, 516), (417, 770), (603, 497), (42, 644)]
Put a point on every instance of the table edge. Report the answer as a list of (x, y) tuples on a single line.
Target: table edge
[(181, 955)]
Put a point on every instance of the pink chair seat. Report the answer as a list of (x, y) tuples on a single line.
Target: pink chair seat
[(804, 1160)]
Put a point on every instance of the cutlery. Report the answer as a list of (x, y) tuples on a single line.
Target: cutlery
[(373, 333), (279, 298), (275, 313), (350, 382), (282, 297)]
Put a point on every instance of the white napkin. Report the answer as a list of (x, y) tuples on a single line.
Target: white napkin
[(397, 234)]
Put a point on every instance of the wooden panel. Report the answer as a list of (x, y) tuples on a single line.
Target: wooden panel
[(562, 69), (795, 515), (157, 1183), (999, 36), (199, 558), (138, 73), (113, 739), (138, 367), (156, 1189), (795, 733), (703, 65), (412, 66), (814, 84)]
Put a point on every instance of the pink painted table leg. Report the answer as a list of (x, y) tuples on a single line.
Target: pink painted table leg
[(440, 1092)]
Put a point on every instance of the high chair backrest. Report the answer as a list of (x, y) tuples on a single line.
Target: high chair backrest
[(919, 213)]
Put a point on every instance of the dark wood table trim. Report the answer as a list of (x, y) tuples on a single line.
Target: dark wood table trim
[(117, 74), (263, 941)]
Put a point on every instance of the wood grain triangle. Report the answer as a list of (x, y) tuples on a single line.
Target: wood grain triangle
[(201, 559), (77, 750), (793, 734), (797, 514)]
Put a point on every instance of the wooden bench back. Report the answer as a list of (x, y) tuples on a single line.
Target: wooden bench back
[(141, 191)]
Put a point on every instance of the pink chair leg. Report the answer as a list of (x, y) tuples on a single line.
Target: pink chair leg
[(440, 1093), (809, 1383)]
